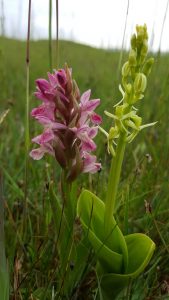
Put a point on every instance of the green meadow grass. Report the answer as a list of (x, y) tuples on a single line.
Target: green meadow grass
[(30, 234)]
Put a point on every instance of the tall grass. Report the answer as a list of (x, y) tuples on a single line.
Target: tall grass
[(4, 275), (27, 110), (163, 24), (57, 33), (2, 19), (50, 35), (122, 46)]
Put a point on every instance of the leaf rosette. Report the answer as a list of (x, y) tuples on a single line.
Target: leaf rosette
[(119, 258)]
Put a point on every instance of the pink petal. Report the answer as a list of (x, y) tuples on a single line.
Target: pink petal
[(52, 79), (39, 95), (83, 118), (90, 164), (85, 97), (95, 118), (45, 137), (88, 158), (93, 168), (50, 95), (43, 84), (83, 133), (92, 132), (91, 105), (44, 111), (37, 153), (43, 120), (61, 77), (80, 130), (88, 144), (56, 125)]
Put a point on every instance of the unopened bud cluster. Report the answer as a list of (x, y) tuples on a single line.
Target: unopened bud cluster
[(134, 83), (137, 68)]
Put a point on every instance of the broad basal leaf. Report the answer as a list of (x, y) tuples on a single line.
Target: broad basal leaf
[(140, 250), (111, 250)]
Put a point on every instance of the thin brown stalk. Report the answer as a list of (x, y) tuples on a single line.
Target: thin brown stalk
[(65, 272), (162, 29), (122, 47), (160, 235), (2, 248), (4, 276), (28, 35), (50, 35), (2, 18), (27, 138), (57, 33)]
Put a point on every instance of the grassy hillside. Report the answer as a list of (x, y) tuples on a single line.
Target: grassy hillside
[(145, 170)]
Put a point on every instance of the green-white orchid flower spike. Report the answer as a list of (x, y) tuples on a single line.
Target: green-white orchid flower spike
[(119, 258), (134, 83)]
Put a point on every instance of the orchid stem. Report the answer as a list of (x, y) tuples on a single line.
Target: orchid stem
[(113, 182), (66, 194)]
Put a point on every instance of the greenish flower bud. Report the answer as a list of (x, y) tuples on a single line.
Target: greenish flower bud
[(133, 42), (144, 49), (137, 121), (142, 33), (126, 98), (145, 32), (126, 69), (148, 66), (132, 58), (113, 133), (137, 97), (128, 88), (140, 83), (119, 111)]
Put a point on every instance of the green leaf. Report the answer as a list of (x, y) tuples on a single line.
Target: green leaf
[(4, 273), (76, 268), (39, 293), (140, 250), (4, 284), (111, 250), (120, 258), (140, 247)]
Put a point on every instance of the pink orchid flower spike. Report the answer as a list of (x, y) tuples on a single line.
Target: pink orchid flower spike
[(69, 124)]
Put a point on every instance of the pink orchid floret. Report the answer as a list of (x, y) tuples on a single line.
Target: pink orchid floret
[(69, 121)]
